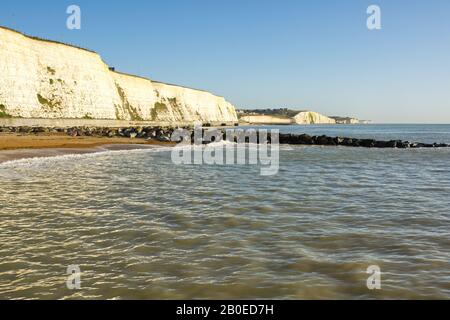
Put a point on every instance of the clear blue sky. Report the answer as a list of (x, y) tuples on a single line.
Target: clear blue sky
[(315, 55)]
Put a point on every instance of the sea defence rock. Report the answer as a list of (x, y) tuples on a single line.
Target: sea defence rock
[(50, 80), (149, 133), (323, 140), (165, 133), (309, 117)]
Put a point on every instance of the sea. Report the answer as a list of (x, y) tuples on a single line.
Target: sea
[(131, 224)]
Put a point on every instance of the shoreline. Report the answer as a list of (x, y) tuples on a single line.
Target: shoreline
[(17, 147), (22, 142), (49, 141)]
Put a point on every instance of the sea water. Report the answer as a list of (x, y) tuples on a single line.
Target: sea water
[(140, 227)]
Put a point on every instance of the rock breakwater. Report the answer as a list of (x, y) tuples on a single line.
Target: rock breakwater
[(164, 134), (304, 139)]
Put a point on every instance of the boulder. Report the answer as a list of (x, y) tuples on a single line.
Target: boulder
[(111, 133), (141, 135), (338, 141), (367, 143), (356, 143), (322, 140), (285, 138), (391, 144), (295, 139), (164, 138), (127, 132), (347, 142), (403, 144), (24, 130), (305, 139), (381, 144)]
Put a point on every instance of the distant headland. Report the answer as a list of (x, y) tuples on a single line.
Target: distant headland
[(285, 116)]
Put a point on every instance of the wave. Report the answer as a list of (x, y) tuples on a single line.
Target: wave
[(70, 156)]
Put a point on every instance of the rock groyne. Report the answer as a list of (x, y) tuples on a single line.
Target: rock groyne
[(165, 133), (323, 140)]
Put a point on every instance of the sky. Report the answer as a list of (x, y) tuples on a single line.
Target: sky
[(308, 55)]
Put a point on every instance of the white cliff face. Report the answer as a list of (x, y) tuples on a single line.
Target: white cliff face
[(264, 119), (42, 79), (176, 103), (309, 117), (352, 121)]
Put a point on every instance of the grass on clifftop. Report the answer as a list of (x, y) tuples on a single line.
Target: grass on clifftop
[(48, 40)]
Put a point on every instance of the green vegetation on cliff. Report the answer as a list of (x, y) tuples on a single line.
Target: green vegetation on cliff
[(48, 40), (50, 104), (159, 109), (3, 113), (127, 108), (51, 71), (280, 113)]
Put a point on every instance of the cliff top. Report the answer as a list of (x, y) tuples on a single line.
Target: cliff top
[(285, 112), (46, 40), (163, 83), (92, 51), (282, 112)]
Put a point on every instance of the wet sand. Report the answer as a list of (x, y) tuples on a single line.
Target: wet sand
[(16, 146)]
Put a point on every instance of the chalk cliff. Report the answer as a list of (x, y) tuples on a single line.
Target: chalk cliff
[(46, 79), (289, 116), (309, 117), (265, 119), (346, 120)]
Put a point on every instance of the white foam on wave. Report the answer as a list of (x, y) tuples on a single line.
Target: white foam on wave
[(67, 157), (215, 145)]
